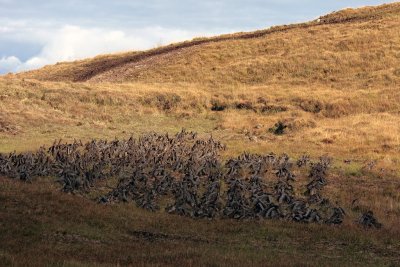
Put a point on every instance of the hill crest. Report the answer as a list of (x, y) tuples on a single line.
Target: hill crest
[(155, 64)]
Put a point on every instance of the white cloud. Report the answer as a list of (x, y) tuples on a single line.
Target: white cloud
[(8, 64), (5, 29), (73, 42)]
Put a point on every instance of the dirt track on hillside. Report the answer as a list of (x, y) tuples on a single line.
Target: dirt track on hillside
[(148, 58)]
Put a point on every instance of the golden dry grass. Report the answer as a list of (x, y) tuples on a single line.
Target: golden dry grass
[(360, 124), (346, 50), (334, 82), (337, 80)]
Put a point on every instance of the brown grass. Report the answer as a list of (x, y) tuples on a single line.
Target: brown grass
[(334, 83), (42, 226), (358, 124)]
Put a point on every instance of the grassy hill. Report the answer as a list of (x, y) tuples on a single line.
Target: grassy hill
[(334, 82), (344, 49)]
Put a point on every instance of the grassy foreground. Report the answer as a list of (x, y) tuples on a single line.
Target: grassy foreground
[(41, 226)]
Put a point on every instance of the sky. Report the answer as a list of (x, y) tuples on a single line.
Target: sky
[(34, 33)]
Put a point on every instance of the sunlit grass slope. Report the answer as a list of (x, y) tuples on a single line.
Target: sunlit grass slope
[(334, 82)]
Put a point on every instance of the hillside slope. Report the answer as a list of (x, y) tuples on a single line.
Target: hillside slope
[(350, 47), (333, 82)]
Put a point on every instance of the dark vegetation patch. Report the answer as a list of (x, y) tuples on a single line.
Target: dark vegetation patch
[(279, 128), (247, 105), (327, 141), (272, 109), (185, 175), (260, 106), (218, 105)]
